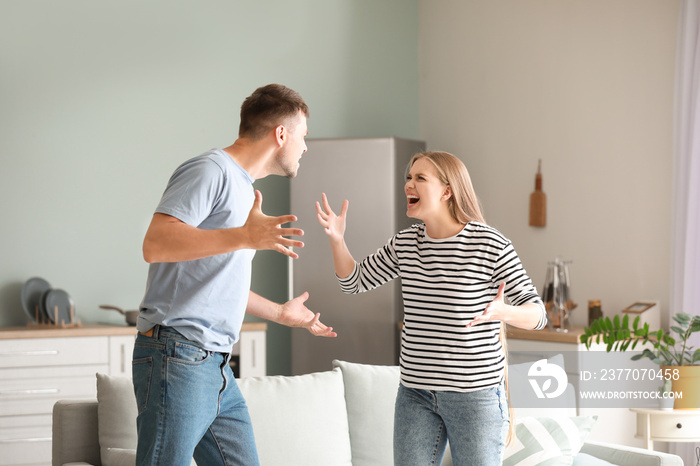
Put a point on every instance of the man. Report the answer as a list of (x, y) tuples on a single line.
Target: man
[(200, 244)]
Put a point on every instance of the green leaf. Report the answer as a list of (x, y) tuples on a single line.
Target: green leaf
[(695, 325), (682, 318), (608, 324), (600, 324), (667, 357)]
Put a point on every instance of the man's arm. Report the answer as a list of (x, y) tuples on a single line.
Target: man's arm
[(168, 239), (293, 313)]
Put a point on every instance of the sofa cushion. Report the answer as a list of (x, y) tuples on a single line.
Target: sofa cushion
[(622, 454), (583, 459), (116, 420), (370, 394), (547, 440), (120, 457), (116, 414), (299, 420)]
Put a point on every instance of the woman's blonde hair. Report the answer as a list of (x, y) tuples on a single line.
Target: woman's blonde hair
[(463, 204), (464, 207)]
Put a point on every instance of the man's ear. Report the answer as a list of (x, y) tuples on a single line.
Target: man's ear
[(280, 135)]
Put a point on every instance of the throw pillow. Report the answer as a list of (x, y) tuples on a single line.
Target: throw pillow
[(299, 420), (370, 395), (547, 440), (116, 414)]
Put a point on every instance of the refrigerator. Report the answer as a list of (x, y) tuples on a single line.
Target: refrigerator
[(370, 173)]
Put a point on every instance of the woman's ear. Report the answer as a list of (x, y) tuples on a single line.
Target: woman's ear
[(447, 194)]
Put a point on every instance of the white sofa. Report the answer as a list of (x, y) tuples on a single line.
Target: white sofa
[(339, 417)]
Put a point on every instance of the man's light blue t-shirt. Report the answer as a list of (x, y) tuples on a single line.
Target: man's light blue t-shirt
[(204, 299)]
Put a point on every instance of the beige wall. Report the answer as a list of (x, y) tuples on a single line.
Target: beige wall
[(585, 85)]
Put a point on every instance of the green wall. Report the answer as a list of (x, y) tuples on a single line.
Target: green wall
[(100, 101)]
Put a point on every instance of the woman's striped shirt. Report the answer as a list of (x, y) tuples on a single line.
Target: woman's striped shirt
[(445, 284)]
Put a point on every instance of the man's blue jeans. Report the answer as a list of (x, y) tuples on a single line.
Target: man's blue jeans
[(475, 423), (188, 405)]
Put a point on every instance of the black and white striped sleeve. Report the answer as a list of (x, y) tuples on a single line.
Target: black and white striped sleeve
[(374, 271), (519, 288)]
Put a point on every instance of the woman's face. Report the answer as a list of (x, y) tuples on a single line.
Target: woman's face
[(426, 194)]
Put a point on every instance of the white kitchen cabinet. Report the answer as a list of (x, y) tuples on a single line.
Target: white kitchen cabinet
[(250, 351), (39, 366), (531, 345), (121, 349), (253, 354), (614, 425)]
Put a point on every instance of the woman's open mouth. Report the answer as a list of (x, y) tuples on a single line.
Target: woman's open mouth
[(412, 199)]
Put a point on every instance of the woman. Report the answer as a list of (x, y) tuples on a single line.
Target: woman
[(455, 272)]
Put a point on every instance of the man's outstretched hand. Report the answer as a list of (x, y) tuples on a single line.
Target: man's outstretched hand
[(295, 314)]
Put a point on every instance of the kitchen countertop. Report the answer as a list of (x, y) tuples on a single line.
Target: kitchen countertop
[(573, 335), (89, 330)]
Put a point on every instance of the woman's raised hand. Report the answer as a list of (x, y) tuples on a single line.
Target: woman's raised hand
[(333, 225)]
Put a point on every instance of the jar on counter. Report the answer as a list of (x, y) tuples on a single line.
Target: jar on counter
[(594, 310)]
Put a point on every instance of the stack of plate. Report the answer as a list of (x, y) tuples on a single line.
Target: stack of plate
[(44, 304)]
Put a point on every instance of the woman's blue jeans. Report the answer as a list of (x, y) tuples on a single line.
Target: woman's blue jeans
[(189, 405), (475, 423)]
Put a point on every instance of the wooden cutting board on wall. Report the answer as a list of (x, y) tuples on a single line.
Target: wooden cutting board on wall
[(538, 201)]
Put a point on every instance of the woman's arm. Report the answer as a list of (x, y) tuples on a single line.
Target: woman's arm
[(334, 226), (375, 270), (527, 316)]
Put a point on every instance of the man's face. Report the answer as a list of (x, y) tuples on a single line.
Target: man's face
[(294, 146)]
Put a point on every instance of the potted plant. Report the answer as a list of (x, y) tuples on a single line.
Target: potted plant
[(678, 361), (665, 401)]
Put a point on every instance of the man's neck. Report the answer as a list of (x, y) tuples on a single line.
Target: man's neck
[(253, 156)]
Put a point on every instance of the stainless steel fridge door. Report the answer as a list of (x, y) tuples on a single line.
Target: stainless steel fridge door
[(369, 173)]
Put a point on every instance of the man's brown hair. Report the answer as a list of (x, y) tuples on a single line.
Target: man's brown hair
[(268, 107)]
